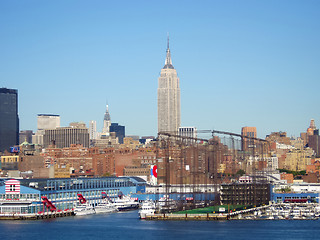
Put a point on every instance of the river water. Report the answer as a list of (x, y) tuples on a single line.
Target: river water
[(126, 225)]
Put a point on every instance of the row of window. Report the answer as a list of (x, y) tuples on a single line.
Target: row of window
[(85, 194), (148, 161), (293, 197), (20, 196), (6, 209), (87, 184), (9, 160), (147, 157)]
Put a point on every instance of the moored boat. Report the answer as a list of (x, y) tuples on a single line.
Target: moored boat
[(125, 203), (148, 208), (84, 209), (105, 206), (166, 204)]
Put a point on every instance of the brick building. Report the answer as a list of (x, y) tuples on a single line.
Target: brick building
[(287, 176), (279, 137), (247, 142)]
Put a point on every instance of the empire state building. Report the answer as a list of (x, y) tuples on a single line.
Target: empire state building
[(168, 97)]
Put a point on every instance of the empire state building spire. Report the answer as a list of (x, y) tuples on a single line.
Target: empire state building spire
[(107, 114), (168, 62), (106, 122), (168, 97)]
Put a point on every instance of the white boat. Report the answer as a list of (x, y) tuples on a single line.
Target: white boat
[(84, 209), (306, 212), (317, 211), (125, 203), (166, 204), (296, 213), (105, 206), (148, 207)]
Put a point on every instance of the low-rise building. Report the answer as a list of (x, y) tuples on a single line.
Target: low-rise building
[(245, 193), (287, 176), (298, 159), (26, 195), (136, 171), (9, 162)]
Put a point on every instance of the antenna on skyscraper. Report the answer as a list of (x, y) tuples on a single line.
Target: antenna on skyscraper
[(168, 40)]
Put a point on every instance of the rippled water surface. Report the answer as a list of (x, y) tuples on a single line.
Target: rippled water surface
[(126, 225)]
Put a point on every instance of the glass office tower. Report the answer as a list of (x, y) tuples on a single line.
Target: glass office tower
[(119, 130), (9, 120)]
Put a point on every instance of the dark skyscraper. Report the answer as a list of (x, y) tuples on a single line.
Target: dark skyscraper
[(119, 130), (9, 120)]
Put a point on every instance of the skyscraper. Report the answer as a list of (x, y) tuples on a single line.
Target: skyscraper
[(93, 129), (311, 128), (45, 121), (168, 97), (48, 121), (310, 131), (106, 122), (76, 133), (119, 130), (25, 135), (248, 141), (9, 120), (188, 132)]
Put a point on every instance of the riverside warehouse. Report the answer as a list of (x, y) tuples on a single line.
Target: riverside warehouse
[(25, 195)]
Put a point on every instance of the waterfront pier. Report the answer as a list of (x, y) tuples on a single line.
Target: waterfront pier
[(36, 216), (186, 216)]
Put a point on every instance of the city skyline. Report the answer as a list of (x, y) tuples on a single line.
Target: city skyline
[(241, 64)]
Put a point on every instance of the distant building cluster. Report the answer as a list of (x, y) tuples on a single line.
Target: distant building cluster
[(54, 151), (80, 150)]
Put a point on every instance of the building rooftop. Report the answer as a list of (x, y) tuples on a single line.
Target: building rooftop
[(49, 115)]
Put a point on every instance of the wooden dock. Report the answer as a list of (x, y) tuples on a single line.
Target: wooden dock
[(205, 216), (35, 216), (192, 217)]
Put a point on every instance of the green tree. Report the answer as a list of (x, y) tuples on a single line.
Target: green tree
[(241, 172)]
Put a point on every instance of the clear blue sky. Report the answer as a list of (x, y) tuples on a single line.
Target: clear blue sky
[(240, 63)]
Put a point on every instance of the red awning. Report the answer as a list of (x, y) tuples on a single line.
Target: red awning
[(302, 200)]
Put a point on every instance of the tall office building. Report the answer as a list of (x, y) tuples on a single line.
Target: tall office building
[(310, 131), (25, 135), (45, 121), (189, 134), (247, 141), (168, 97), (48, 121), (93, 129), (119, 130), (106, 122), (314, 142), (313, 138), (311, 128), (9, 120), (62, 137)]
